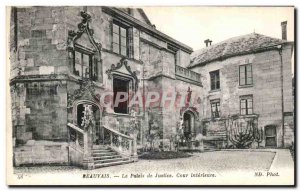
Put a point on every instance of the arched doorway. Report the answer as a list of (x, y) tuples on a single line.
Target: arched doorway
[(96, 114), (188, 124)]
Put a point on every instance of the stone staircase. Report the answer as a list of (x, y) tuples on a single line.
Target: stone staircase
[(116, 148), (104, 156)]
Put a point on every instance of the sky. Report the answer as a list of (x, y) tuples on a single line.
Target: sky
[(192, 25)]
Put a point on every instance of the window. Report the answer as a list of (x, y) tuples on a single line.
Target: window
[(119, 40), (215, 108), (84, 64), (246, 75), (215, 80), (121, 84), (246, 105)]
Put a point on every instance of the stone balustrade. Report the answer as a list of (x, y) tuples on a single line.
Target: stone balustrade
[(186, 74)]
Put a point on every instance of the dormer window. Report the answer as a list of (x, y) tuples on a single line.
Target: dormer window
[(84, 52), (85, 64)]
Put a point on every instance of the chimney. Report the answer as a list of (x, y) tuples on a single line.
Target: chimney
[(208, 42), (283, 30)]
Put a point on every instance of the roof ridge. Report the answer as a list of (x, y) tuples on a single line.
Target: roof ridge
[(236, 37), (233, 46)]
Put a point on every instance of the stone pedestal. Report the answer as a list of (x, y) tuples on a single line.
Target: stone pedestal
[(88, 163)]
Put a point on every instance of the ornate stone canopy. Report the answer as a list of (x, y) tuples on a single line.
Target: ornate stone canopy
[(83, 27), (123, 68), (86, 91)]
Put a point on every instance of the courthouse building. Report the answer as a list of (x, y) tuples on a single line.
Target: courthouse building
[(64, 59)]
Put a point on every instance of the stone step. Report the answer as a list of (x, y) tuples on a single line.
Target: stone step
[(101, 150), (106, 157), (110, 160), (100, 147), (210, 150), (112, 163), (105, 154)]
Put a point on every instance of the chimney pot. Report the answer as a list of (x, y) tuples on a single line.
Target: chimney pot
[(283, 30), (207, 42)]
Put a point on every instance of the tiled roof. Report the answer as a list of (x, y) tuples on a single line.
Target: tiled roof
[(233, 47)]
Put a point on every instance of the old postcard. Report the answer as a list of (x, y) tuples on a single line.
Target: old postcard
[(103, 95)]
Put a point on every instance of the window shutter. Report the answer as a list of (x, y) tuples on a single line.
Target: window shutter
[(130, 42)]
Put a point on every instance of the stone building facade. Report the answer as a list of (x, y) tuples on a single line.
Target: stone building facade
[(63, 60), (254, 80)]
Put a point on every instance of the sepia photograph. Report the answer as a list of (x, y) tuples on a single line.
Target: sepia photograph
[(150, 95)]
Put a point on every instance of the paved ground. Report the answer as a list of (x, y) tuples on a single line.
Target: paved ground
[(282, 161), (205, 162), (231, 167)]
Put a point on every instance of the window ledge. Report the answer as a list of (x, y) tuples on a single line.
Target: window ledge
[(75, 77), (249, 115), (98, 84), (212, 91), (121, 114), (246, 86)]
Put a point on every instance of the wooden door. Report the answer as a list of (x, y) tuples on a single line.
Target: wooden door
[(270, 134)]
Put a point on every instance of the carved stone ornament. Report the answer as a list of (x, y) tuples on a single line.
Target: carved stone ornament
[(190, 109), (83, 27), (87, 118), (123, 62), (17, 88), (86, 86)]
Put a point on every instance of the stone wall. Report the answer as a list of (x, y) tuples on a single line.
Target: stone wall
[(40, 42), (41, 152), (42, 79), (289, 130), (266, 88), (39, 111)]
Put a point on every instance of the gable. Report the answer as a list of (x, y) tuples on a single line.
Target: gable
[(85, 41), (141, 15), (137, 13)]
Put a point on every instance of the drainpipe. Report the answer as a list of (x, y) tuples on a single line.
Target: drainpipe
[(282, 98)]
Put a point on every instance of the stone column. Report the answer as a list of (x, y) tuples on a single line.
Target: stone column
[(134, 149), (88, 161)]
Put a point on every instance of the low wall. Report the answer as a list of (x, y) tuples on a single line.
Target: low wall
[(76, 156), (41, 152)]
